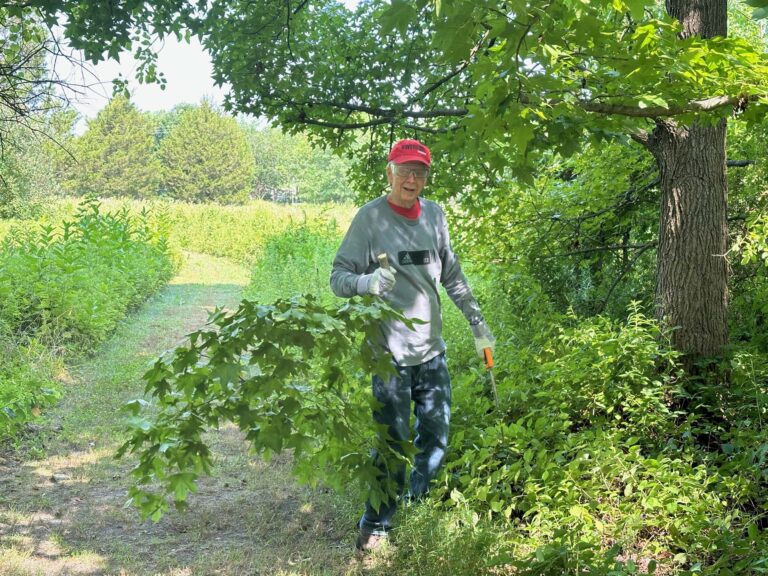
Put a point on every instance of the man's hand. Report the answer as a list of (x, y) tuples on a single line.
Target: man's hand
[(382, 280), (483, 338)]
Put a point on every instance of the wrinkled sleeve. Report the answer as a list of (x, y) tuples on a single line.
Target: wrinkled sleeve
[(453, 279), (352, 259)]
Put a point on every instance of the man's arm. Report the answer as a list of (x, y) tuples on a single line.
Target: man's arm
[(456, 286), (350, 262), (351, 274)]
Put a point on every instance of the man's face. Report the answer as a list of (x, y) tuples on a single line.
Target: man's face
[(406, 181)]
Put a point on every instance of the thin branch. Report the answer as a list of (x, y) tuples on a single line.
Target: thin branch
[(390, 112), (344, 125), (458, 70), (621, 276), (604, 249), (739, 163), (300, 7)]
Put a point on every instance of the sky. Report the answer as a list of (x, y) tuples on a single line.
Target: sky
[(187, 70)]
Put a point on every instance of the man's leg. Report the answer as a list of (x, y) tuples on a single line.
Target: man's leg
[(432, 398), (394, 394)]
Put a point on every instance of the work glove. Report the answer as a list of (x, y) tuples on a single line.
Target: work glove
[(483, 338), (382, 280)]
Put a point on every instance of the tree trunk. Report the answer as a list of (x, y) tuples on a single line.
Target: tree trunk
[(692, 272)]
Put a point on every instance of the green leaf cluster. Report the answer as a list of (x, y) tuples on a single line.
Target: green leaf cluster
[(288, 375), (69, 286)]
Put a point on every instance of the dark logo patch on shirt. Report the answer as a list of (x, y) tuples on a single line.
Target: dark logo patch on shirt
[(414, 257)]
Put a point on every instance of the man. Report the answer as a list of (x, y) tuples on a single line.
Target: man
[(413, 233)]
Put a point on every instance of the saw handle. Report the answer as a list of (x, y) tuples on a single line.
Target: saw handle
[(488, 354), (383, 261)]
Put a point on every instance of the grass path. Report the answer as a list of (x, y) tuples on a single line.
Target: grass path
[(61, 505)]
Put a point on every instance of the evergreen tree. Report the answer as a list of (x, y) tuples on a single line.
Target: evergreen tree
[(115, 155), (205, 157)]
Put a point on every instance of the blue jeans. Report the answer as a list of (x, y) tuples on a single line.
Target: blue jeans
[(428, 386)]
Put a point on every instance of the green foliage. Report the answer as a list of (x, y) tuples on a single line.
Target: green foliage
[(297, 261), (290, 162), (594, 375), (289, 375), (114, 157), (585, 231), (242, 232), (70, 287), (205, 158), (604, 458), (26, 383)]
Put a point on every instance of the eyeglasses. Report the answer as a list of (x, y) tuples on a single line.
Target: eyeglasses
[(403, 171)]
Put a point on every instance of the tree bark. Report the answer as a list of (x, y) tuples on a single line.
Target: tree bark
[(692, 273)]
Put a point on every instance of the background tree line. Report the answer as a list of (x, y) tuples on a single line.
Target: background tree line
[(193, 153)]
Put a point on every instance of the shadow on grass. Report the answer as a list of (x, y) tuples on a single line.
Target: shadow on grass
[(66, 515)]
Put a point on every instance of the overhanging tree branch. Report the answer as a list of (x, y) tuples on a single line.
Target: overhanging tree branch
[(706, 105)]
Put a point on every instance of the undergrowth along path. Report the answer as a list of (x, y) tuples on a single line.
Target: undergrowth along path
[(62, 492)]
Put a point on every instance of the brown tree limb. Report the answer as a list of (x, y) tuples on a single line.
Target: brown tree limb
[(706, 105)]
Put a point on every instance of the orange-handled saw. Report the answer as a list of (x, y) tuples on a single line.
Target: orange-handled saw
[(488, 354)]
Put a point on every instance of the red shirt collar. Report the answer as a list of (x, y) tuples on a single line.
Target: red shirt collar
[(411, 213)]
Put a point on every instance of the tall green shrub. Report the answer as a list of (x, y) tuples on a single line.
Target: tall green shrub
[(71, 286), (114, 157), (205, 158)]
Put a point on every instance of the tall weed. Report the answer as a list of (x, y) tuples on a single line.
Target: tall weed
[(69, 286), (26, 382), (242, 232), (296, 261)]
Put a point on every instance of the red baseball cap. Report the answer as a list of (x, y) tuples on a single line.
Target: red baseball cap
[(409, 151)]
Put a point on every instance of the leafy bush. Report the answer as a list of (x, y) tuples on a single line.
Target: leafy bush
[(296, 261), (71, 286), (26, 383)]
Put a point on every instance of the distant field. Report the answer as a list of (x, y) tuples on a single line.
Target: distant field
[(237, 232)]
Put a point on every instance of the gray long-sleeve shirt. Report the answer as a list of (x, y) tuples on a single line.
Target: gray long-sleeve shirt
[(420, 252)]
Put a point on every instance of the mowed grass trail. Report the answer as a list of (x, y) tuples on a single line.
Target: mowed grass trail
[(62, 493)]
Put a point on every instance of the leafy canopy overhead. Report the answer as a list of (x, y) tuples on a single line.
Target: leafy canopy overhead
[(494, 82)]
